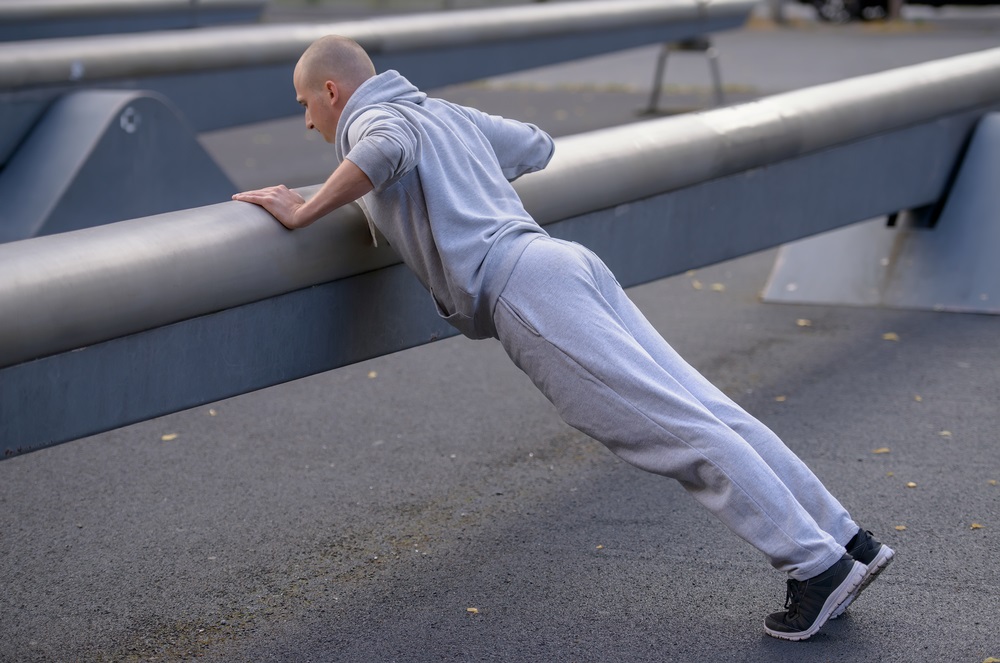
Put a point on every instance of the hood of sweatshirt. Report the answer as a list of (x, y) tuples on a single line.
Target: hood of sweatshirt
[(389, 86)]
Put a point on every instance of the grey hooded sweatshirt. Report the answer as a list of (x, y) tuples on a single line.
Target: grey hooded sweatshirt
[(442, 195)]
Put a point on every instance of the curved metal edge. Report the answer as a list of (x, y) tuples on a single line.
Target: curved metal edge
[(78, 288), (61, 61)]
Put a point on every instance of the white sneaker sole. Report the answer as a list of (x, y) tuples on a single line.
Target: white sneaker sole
[(882, 559), (845, 592)]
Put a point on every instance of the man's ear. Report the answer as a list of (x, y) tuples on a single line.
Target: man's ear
[(332, 92)]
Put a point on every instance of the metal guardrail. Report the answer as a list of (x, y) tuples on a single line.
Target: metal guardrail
[(118, 322), (200, 72), (77, 112), (46, 19)]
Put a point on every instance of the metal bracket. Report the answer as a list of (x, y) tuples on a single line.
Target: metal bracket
[(101, 156), (949, 265)]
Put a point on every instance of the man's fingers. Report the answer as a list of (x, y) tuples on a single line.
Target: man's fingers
[(260, 195)]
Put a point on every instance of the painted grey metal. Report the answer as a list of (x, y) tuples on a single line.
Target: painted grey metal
[(105, 155), (46, 19), (952, 266), (203, 72), (132, 320)]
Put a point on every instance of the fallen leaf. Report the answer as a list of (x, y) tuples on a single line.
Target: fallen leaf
[(781, 399), (945, 434), (372, 375), (696, 284), (890, 474), (977, 526), (690, 272), (991, 659), (719, 287), (992, 482), (802, 322), (599, 547), (890, 336), (918, 398), (474, 611), (212, 413), (168, 437), (911, 485), (881, 450), (900, 528)]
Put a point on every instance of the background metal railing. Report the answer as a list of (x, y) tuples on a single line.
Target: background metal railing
[(46, 19), (78, 112)]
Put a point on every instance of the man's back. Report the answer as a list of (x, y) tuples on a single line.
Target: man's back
[(441, 192)]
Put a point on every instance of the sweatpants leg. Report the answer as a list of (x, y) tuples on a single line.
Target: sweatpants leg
[(565, 322), (808, 490)]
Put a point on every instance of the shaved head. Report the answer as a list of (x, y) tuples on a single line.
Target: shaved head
[(338, 59)]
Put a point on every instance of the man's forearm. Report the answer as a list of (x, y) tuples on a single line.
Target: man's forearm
[(345, 185)]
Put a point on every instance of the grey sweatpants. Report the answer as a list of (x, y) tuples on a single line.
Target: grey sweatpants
[(565, 321)]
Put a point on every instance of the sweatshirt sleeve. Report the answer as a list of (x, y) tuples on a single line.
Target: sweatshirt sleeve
[(383, 145), (520, 147)]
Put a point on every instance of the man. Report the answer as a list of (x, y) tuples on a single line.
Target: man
[(433, 178)]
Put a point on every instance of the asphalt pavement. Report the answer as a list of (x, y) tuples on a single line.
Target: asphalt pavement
[(430, 505)]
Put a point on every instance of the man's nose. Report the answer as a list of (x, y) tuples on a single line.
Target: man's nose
[(309, 122)]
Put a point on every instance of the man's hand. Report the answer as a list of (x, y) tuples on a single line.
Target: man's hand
[(345, 185), (279, 200)]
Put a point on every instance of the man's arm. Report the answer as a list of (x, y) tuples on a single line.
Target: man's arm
[(345, 185), (520, 147)]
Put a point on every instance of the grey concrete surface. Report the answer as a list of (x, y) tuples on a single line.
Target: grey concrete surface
[(360, 514)]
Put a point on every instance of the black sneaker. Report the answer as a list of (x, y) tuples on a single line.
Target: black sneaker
[(809, 603), (873, 554)]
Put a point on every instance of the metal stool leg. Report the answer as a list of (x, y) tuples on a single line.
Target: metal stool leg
[(713, 64), (696, 44), (661, 70)]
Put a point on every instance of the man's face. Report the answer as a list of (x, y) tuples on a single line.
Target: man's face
[(320, 100)]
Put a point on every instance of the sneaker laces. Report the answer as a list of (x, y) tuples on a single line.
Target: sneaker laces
[(793, 596)]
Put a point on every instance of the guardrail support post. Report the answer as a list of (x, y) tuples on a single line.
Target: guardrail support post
[(950, 266), (101, 156)]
